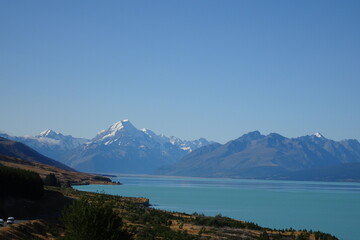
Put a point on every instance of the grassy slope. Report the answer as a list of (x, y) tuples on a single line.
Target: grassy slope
[(35, 229)]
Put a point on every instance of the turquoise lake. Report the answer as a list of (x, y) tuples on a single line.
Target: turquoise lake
[(325, 206)]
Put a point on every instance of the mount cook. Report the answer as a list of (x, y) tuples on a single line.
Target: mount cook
[(121, 148)]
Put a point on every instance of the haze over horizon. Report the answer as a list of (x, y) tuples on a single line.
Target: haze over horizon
[(212, 69)]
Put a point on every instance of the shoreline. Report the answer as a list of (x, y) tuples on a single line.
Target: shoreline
[(311, 189), (227, 222), (114, 175)]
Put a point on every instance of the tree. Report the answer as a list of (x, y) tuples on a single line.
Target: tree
[(51, 180), (20, 183), (264, 236), (95, 220)]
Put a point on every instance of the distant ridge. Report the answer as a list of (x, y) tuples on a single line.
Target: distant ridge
[(345, 172), (254, 155)]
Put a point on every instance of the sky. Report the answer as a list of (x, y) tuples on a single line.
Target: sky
[(191, 69)]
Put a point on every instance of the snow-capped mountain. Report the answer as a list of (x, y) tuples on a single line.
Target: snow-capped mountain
[(123, 131), (65, 142), (254, 155), (185, 145), (122, 148), (49, 143)]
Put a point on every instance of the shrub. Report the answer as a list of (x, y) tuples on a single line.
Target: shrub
[(101, 178), (51, 180), (85, 220)]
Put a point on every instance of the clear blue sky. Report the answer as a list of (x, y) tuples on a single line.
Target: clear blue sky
[(214, 69)]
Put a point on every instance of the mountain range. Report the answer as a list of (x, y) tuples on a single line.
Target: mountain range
[(254, 155), (121, 148)]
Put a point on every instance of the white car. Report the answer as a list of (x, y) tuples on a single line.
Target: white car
[(10, 220), (1, 222)]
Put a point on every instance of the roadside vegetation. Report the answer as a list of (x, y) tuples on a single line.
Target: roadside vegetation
[(20, 183), (92, 220), (98, 216), (141, 222)]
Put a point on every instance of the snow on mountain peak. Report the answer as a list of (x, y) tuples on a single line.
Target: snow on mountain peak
[(123, 133), (113, 130), (47, 133), (122, 124), (117, 126), (318, 135), (147, 132)]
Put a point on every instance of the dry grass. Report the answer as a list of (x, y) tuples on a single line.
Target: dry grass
[(43, 170), (34, 229)]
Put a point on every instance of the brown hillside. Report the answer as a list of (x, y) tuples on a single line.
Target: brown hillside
[(64, 176)]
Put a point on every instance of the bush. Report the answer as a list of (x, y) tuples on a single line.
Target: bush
[(85, 220), (264, 236), (220, 221), (156, 232), (101, 178), (51, 180)]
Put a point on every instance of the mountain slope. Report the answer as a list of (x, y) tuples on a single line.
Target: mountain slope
[(122, 148), (49, 143), (257, 156), (19, 150), (340, 172), (64, 176)]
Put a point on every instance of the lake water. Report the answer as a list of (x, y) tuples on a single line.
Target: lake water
[(325, 206)]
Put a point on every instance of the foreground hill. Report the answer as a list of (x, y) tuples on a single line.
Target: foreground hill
[(22, 194), (19, 150), (254, 155), (63, 175)]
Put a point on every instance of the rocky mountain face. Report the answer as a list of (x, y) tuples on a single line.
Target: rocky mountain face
[(254, 155), (122, 148), (49, 143)]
